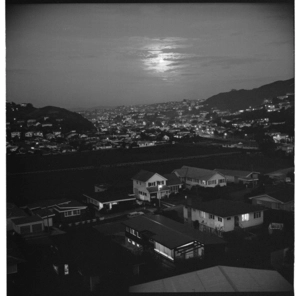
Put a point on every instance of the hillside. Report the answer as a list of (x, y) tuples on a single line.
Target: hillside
[(241, 99), (69, 120)]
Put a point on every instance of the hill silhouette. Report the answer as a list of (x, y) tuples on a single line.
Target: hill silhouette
[(241, 99)]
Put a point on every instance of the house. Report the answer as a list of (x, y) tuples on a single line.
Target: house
[(28, 225), (168, 238), (249, 178), (65, 210), (277, 198), (38, 134), (148, 186), (15, 134), (28, 134), (192, 176), (219, 279), (220, 215), (13, 212), (104, 198)]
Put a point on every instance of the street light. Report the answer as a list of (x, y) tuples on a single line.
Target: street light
[(159, 194)]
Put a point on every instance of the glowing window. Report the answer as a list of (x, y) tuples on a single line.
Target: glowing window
[(245, 217)]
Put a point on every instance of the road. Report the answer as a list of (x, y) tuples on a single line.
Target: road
[(122, 164)]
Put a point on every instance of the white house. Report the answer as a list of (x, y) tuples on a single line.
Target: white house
[(195, 176), (148, 185), (223, 215)]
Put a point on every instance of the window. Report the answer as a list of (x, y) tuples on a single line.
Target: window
[(220, 219), (228, 218), (203, 182), (150, 184), (138, 235), (211, 216), (257, 215), (160, 182), (245, 217), (132, 231), (72, 213), (202, 214), (221, 180), (129, 240)]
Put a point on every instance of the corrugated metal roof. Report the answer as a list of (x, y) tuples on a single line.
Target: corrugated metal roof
[(219, 279), (170, 233)]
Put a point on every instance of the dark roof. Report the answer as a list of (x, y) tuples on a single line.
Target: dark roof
[(46, 203), (195, 173), (235, 173), (14, 211), (285, 193), (27, 220), (172, 179), (170, 233), (143, 176), (225, 208), (43, 213)]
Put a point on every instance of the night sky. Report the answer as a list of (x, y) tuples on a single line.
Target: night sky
[(88, 55)]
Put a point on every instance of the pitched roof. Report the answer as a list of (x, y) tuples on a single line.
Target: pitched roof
[(27, 220), (283, 194), (195, 173), (219, 279), (44, 213), (14, 211), (236, 173), (225, 208), (170, 233), (143, 176), (172, 179)]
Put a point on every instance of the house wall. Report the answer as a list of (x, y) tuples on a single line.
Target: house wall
[(226, 224), (60, 217), (272, 204), (252, 221), (31, 226), (205, 183)]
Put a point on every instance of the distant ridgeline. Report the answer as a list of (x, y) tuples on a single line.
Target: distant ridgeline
[(16, 114), (240, 99)]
